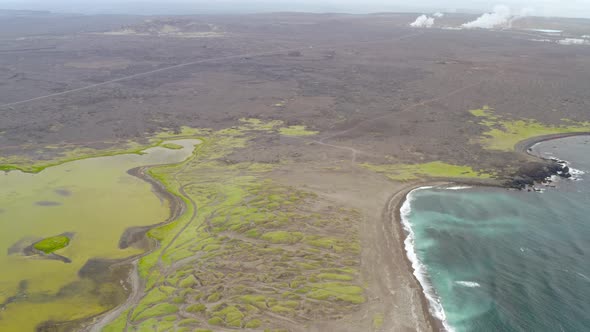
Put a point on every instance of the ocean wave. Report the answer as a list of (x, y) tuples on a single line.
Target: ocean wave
[(583, 276), (470, 284), (458, 187), (420, 272), (576, 173)]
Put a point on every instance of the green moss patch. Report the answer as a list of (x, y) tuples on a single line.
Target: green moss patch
[(172, 146), (336, 290), (282, 237), (157, 310), (378, 320), (296, 131), (253, 324), (246, 221), (435, 169), (334, 276), (504, 133), (52, 244), (196, 308)]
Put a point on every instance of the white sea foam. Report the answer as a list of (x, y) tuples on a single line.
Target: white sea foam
[(548, 31), (420, 272), (541, 40), (575, 172), (470, 284), (573, 41), (458, 187), (583, 276)]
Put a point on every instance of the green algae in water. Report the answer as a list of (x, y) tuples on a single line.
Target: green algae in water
[(52, 244), (102, 201)]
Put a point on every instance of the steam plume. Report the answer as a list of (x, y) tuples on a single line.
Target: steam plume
[(500, 17), (423, 21)]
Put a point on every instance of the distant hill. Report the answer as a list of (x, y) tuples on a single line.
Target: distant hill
[(16, 12)]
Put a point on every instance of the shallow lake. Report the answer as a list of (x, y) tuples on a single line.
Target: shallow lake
[(94, 199)]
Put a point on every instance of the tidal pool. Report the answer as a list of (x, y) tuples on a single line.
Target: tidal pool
[(95, 200)]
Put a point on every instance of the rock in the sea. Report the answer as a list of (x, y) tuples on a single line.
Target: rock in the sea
[(538, 172)]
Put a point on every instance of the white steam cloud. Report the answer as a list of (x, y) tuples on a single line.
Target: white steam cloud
[(500, 17), (438, 14), (423, 21)]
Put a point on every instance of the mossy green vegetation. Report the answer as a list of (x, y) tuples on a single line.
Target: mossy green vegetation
[(277, 126), (52, 244), (65, 153), (435, 169), (257, 124), (97, 200), (68, 152), (282, 237), (297, 131), (253, 324), (306, 251), (337, 290), (156, 310), (378, 320), (335, 276), (504, 133), (171, 146)]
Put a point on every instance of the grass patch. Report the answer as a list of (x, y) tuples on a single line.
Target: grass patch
[(337, 290), (296, 131), (435, 169), (214, 297), (215, 321), (188, 282), (236, 206), (172, 146), (231, 315), (282, 237), (253, 324), (378, 321), (279, 309), (257, 124), (52, 244), (70, 153), (188, 321), (334, 276), (157, 310), (503, 134), (194, 308)]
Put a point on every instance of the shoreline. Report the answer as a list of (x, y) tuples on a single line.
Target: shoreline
[(400, 197), (394, 212), (177, 207), (132, 236), (524, 145), (394, 215)]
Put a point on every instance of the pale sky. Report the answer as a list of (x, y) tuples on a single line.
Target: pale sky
[(567, 8)]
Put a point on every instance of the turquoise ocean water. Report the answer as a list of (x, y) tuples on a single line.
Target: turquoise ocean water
[(501, 260)]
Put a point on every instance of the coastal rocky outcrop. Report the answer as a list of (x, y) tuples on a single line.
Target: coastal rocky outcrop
[(538, 172)]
